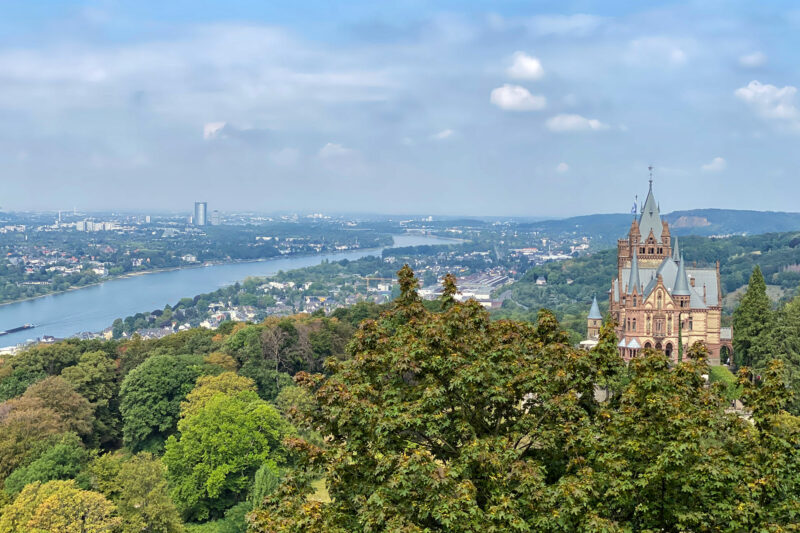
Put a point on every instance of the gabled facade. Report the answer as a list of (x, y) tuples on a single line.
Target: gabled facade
[(657, 298)]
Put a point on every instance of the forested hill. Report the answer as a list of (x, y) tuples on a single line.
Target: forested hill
[(571, 283), (607, 228)]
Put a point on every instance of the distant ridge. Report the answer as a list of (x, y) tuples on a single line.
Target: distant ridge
[(607, 228)]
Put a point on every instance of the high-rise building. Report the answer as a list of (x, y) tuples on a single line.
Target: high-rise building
[(215, 218), (658, 300), (200, 210)]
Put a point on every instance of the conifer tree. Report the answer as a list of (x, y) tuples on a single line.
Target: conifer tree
[(751, 319)]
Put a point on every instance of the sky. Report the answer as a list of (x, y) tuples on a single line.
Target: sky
[(504, 108)]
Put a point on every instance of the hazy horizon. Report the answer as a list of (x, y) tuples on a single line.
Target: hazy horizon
[(486, 109)]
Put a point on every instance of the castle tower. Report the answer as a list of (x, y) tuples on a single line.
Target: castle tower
[(595, 320)]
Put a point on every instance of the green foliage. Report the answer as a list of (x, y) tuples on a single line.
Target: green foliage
[(207, 387), (59, 395), (751, 319), (212, 463), (58, 506), (95, 378), (235, 521), (451, 422), (727, 381), (24, 423), (143, 497), (65, 459), (266, 481), (151, 395)]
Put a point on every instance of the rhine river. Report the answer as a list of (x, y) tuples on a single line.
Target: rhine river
[(95, 308)]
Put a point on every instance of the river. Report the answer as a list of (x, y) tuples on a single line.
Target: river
[(95, 308)]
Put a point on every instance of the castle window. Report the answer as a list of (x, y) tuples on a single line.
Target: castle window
[(669, 325), (659, 300), (661, 250), (634, 324), (690, 324), (641, 250), (648, 326), (651, 250), (634, 300)]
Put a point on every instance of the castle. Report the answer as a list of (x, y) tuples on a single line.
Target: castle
[(657, 300)]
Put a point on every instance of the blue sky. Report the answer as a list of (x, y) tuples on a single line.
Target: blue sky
[(468, 108)]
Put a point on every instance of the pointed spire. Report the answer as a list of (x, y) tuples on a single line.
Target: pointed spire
[(676, 253), (650, 220), (633, 281), (594, 312), (681, 287)]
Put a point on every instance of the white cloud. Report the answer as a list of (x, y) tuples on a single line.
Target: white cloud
[(771, 102), (442, 135), (717, 164), (525, 67), (334, 150), (565, 122), (753, 60), (212, 130), (562, 168), (516, 98)]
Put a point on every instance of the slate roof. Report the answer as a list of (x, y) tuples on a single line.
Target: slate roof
[(669, 273), (650, 220), (594, 312)]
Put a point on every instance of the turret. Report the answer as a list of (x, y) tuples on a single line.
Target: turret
[(595, 319), (676, 254), (680, 290), (634, 285)]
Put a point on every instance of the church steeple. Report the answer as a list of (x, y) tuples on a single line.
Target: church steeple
[(676, 254)]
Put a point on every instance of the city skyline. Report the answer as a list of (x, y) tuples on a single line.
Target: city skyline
[(478, 108)]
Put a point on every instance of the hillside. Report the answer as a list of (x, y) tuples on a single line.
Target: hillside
[(607, 228), (572, 283)]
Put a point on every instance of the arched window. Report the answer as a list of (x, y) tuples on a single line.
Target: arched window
[(668, 351), (690, 324), (659, 300), (634, 324), (669, 325), (648, 325), (634, 300), (648, 345)]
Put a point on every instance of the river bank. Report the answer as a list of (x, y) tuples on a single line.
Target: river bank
[(93, 308)]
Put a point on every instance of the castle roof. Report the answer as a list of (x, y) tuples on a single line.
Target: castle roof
[(681, 285), (650, 220), (594, 312), (668, 269), (633, 280), (676, 254)]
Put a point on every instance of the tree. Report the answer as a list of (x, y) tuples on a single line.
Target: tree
[(207, 387), (143, 499), (212, 462), (670, 454), (151, 395), (94, 378), (58, 394), (65, 458), (59, 506), (23, 424), (751, 318), (445, 422)]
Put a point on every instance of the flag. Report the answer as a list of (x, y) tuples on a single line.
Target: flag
[(633, 209)]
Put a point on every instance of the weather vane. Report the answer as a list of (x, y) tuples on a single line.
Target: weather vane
[(650, 168)]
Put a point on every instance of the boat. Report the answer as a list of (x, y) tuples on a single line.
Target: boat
[(19, 328)]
